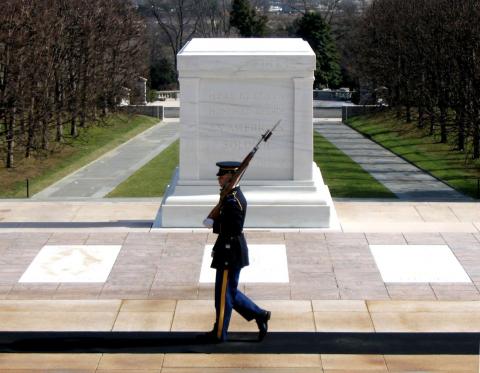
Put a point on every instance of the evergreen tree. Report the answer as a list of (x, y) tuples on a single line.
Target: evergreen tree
[(162, 75), (312, 28), (246, 20)]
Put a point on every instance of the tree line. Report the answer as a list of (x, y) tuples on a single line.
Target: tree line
[(425, 53), (63, 64)]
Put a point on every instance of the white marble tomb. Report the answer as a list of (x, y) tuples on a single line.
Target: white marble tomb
[(231, 91)]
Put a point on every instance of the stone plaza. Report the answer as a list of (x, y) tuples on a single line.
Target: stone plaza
[(154, 283)]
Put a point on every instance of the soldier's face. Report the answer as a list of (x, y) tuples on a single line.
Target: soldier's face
[(224, 179)]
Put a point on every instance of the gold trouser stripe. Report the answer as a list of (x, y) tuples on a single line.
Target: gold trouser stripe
[(222, 304)]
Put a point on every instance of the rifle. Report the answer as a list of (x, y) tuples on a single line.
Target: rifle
[(236, 177)]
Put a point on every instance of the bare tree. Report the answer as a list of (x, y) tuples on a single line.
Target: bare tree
[(426, 53), (214, 18), (60, 60), (178, 20)]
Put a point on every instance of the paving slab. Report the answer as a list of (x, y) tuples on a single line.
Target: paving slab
[(143, 321), (58, 362), (360, 362), (435, 363), (131, 361), (242, 361)]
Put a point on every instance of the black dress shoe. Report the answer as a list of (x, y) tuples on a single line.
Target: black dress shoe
[(208, 337), (262, 323)]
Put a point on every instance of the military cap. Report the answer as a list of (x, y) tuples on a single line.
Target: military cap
[(227, 167)]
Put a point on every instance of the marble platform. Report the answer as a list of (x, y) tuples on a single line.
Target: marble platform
[(271, 204)]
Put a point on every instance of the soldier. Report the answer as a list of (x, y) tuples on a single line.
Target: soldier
[(230, 255)]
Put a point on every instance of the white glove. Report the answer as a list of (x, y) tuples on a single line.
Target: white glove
[(208, 223)]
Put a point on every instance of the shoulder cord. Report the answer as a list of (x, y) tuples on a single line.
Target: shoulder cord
[(236, 199)]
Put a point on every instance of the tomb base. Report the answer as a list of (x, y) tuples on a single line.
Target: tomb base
[(271, 204)]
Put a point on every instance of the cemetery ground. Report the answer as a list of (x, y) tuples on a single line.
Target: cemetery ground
[(413, 144), (71, 155), (344, 177)]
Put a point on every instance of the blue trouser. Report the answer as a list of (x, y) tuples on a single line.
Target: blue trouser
[(228, 297)]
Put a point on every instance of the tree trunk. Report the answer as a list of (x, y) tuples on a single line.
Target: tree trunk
[(30, 130), (460, 121), (84, 82), (73, 125), (408, 113), (104, 104), (22, 123), (46, 119), (45, 139), (83, 109), (421, 116), (10, 138), (58, 113), (73, 106), (476, 139), (432, 122), (59, 127), (443, 124)]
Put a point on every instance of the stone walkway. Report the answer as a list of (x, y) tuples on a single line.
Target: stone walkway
[(402, 178), (100, 177)]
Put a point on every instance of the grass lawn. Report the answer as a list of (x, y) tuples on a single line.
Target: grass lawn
[(424, 151), (344, 177), (152, 179), (62, 160)]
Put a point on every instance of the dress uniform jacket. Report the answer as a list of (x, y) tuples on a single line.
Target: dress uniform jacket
[(230, 249)]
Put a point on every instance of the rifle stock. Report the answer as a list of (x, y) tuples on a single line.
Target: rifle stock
[(236, 177)]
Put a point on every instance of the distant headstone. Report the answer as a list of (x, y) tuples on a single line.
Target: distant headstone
[(231, 91), (124, 96), (139, 94)]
